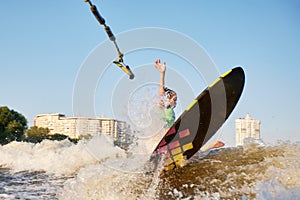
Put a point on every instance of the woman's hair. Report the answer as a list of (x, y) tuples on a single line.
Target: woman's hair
[(168, 93)]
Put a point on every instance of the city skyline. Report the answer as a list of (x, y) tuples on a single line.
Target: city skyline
[(43, 47)]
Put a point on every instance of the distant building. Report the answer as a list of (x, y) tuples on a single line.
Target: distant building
[(246, 127), (80, 127)]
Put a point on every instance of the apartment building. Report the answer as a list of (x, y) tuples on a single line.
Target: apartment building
[(80, 127), (246, 127)]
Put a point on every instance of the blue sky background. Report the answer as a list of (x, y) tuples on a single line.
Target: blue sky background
[(42, 46)]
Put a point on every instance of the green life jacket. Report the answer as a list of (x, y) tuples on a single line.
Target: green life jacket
[(168, 116)]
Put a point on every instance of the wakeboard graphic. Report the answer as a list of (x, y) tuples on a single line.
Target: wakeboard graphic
[(200, 120)]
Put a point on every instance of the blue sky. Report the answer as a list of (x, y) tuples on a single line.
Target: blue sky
[(43, 45)]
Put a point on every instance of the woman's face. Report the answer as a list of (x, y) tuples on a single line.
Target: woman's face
[(173, 100)]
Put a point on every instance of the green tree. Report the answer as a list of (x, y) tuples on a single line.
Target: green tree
[(58, 137), (36, 134), (12, 125), (37, 131)]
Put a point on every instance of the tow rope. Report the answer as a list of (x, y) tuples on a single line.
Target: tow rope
[(120, 62)]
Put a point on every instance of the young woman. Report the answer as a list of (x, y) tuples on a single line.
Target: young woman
[(169, 98), (169, 102)]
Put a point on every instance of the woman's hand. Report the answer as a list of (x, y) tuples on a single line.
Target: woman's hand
[(161, 67)]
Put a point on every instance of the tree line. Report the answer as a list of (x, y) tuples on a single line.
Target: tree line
[(13, 127)]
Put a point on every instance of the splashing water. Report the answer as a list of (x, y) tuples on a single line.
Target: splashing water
[(62, 170), (252, 171)]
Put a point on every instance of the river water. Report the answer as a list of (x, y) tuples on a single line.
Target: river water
[(96, 169)]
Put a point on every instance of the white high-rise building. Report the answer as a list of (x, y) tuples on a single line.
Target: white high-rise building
[(246, 127)]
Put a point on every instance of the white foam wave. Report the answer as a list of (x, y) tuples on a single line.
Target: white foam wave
[(57, 157), (103, 171), (282, 178), (102, 182)]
